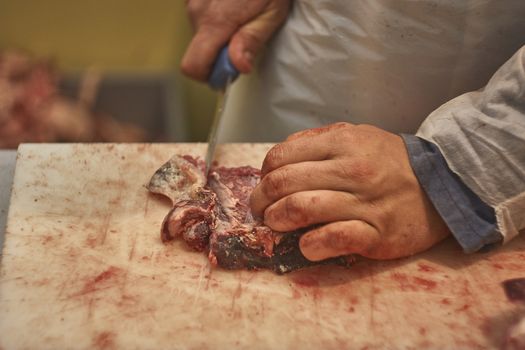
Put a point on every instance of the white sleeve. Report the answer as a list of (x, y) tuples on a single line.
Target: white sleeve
[(481, 134)]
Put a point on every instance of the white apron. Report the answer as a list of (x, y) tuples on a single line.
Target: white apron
[(386, 63)]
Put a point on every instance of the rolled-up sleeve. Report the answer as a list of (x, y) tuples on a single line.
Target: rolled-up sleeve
[(481, 136), (471, 221)]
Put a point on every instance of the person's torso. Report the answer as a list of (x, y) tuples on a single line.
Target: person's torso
[(386, 63)]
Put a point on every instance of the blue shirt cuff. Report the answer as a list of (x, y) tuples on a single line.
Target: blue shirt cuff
[(471, 221)]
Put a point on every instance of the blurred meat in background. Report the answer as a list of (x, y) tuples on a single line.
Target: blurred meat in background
[(98, 71), (33, 109)]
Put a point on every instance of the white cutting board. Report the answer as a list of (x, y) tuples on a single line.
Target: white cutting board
[(83, 267)]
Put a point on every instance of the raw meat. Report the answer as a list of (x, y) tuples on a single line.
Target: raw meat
[(213, 215), (32, 108), (515, 292)]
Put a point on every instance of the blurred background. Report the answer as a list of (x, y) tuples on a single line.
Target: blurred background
[(98, 71)]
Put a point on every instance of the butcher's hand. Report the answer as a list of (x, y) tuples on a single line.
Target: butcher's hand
[(246, 24), (355, 183)]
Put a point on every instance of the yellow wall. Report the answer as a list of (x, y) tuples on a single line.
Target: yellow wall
[(114, 35)]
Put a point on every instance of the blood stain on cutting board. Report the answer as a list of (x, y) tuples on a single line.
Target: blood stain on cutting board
[(329, 285), (104, 340), (423, 267), (98, 232), (413, 283), (111, 289), (305, 284), (504, 261), (440, 286), (108, 279), (236, 312), (104, 280)]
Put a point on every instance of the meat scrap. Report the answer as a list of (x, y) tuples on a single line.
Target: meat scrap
[(213, 215), (33, 109)]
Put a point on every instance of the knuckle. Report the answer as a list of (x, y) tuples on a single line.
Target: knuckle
[(274, 157), (253, 37), (347, 134), (343, 133), (365, 133), (295, 211), (360, 171), (273, 184), (367, 128)]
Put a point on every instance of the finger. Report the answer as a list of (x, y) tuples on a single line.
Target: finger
[(303, 209), (335, 175), (316, 131), (315, 144), (301, 150), (249, 39), (339, 238), (204, 48)]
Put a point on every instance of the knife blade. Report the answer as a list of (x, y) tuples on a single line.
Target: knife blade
[(222, 76)]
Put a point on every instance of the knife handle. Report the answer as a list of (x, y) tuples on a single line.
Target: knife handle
[(223, 70)]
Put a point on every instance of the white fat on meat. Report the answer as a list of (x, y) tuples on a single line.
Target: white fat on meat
[(180, 178)]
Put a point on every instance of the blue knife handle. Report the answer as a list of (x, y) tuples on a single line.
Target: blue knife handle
[(223, 69)]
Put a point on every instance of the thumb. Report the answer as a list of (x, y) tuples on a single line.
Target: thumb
[(339, 238), (246, 43)]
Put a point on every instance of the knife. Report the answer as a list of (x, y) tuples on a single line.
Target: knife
[(223, 74)]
